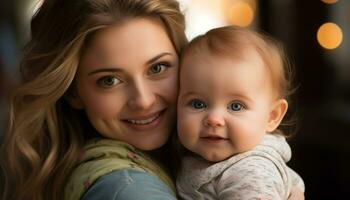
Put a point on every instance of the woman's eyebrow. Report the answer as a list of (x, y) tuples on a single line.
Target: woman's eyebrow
[(152, 60), (114, 69), (111, 69)]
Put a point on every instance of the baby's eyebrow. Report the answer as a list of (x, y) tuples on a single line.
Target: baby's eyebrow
[(188, 94), (241, 96)]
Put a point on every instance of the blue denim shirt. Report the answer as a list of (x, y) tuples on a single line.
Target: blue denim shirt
[(129, 184)]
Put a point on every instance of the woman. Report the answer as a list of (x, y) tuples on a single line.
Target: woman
[(97, 103), (83, 77)]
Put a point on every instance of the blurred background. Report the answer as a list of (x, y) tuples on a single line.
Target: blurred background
[(316, 34)]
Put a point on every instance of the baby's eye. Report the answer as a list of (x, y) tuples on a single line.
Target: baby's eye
[(235, 106), (197, 104), (157, 68), (108, 81)]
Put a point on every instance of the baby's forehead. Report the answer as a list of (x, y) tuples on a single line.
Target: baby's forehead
[(202, 65), (198, 56), (239, 51), (239, 45)]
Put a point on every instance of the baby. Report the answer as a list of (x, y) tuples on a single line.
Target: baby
[(234, 85)]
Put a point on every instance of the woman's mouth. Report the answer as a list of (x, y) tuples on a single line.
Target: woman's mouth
[(143, 123)]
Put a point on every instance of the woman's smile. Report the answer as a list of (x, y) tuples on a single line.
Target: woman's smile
[(145, 122)]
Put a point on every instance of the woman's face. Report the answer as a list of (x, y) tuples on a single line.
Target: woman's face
[(127, 83)]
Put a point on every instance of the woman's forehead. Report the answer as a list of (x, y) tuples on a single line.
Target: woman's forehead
[(137, 40), (130, 32)]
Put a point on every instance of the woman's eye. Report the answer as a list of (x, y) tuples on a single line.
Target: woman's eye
[(157, 68), (236, 106), (108, 81), (197, 104)]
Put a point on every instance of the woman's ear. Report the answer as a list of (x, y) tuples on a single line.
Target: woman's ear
[(74, 100), (279, 109)]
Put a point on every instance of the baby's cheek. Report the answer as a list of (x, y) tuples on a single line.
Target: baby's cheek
[(188, 129), (247, 137), (182, 123), (184, 118)]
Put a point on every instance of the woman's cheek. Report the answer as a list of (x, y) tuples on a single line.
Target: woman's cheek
[(103, 105), (170, 86)]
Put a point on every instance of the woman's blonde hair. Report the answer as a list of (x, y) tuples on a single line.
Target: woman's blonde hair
[(45, 135)]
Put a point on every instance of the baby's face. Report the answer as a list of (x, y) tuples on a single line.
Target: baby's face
[(224, 104)]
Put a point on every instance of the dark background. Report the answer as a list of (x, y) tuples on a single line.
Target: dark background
[(321, 149), (321, 146)]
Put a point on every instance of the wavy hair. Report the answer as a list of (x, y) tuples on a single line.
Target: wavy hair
[(45, 136)]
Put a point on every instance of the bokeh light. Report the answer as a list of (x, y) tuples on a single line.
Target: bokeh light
[(329, 1), (329, 35), (239, 13)]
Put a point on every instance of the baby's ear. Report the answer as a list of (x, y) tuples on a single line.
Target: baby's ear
[(279, 109), (74, 100)]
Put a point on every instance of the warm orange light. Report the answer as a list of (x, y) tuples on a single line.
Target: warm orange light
[(240, 13), (329, 1), (329, 36)]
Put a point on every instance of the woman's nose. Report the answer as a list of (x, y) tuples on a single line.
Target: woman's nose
[(142, 96), (214, 119)]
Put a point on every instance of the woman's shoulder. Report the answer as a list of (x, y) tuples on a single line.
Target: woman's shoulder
[(106, 162), (128, 184)]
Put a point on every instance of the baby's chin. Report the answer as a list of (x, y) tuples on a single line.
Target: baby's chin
[(216, 157)]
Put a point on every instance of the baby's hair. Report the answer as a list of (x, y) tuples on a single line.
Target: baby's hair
[(233, 41)]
